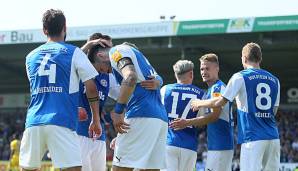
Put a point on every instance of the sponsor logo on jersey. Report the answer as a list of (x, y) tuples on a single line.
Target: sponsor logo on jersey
[(104, 82), (116, 56), (216, 95)]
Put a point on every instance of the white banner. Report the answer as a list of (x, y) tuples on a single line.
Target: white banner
[(288, 166), (82, 33)]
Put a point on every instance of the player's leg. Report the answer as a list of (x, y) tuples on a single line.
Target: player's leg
[(32, 148), (271, 159), (251, 155), (64, 147), (98, 156), (172, 156), (144, 146), (219, 160), (86, 147), (187, 161)]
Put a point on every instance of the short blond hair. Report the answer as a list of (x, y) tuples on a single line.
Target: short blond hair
[(210, 57), (183, 66), (252, 51)]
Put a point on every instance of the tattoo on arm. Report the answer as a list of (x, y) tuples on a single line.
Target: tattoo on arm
[(131, 80)]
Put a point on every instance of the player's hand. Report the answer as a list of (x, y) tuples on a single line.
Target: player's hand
[(179, 124), (194, 105), (113, 143), (151, 84), (95, 129), (118, 122)]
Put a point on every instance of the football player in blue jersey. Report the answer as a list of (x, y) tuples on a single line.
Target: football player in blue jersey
[(219, 120), (54, 70), (181, 144), (140, 118), (94, 149), (257, 94)]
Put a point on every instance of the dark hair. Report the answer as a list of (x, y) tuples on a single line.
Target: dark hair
[(95, 36), (252, 51), (53, 22), (92, 52)]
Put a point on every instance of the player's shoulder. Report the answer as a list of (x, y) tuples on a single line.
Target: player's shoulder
[(120, 51), (218, 86)]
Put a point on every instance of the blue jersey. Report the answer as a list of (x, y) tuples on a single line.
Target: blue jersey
[(142, 103), (220, 133), (257, 92), (54, 71), (176, 98), (102, 84)]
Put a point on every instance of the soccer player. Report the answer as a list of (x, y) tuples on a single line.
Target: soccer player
[(257, 94), (54, 70), (94, 150), (142, 134), (219, 120), (182, 144), (14, 153)]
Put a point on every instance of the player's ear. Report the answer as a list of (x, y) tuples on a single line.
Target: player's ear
[(45, 31)]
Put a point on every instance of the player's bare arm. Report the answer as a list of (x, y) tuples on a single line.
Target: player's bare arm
[(91, 43), (180, 123), (211, 103), (126, 89), (95, 129), (151, 84)]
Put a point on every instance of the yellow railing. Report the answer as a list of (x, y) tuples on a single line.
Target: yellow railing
[(45, 166)]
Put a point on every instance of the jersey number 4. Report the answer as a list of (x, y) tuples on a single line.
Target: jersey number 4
[(184, 96), (50, 72)]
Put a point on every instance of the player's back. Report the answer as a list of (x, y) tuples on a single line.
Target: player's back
[(222, 129), (176, 99), (255, 103), (143, 102), (53, 85)]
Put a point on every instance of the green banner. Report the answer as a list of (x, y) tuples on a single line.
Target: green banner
[(276, 23), (202, 27)]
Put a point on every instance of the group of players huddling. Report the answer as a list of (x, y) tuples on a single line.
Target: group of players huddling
[(156, 123)]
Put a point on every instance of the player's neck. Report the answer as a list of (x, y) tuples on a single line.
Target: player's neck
[(185, 81), (211, 82), (56, 39), (253, 65)]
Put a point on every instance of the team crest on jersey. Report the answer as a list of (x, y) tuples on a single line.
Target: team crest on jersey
[(104, 83), (116, 56), (215, 94)]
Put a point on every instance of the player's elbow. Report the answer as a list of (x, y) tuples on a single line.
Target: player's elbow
[(131, 80)]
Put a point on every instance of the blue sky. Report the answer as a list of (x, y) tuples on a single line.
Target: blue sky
[(27, 14)]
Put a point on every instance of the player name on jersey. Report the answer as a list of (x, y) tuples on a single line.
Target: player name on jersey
[(264, 77), (50, 89)]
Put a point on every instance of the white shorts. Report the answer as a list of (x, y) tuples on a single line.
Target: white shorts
[(180, 159), (93, 154), (260, 155), (144, 146), (62, 143), (220, 160)]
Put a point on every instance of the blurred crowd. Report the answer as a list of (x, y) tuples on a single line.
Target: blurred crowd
[(13, 121)]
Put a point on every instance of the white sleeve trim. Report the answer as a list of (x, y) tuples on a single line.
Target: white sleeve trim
[(233, 87)]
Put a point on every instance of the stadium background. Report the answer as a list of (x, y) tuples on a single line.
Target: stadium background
[(164, 43)]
